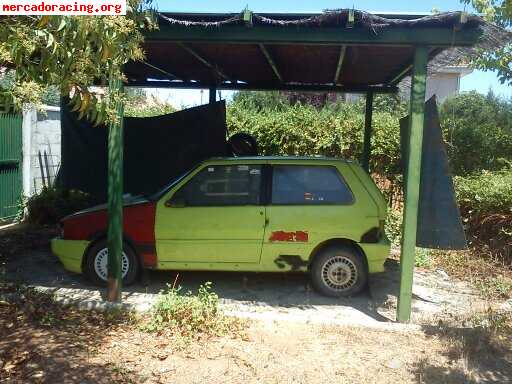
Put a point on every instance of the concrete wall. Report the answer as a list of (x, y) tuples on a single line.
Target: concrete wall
[(41, 133)]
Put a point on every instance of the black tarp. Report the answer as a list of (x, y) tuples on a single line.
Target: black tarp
[(439, 221), (156, 149)]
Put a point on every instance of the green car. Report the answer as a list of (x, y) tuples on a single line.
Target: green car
[(260, 214)]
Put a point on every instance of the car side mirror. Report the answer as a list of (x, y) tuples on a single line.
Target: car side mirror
[(176, 202)]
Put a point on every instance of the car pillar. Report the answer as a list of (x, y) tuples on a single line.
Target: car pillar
[(115, 192), (412, 181)]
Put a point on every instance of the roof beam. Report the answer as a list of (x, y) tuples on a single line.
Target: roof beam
[(211, 66), (265, 87), (169, 75), (341, 58), (406, 70), (271, 62), (398, 36), (403, 73)]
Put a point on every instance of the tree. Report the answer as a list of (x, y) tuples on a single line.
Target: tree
[(138, 104), (497, 59), (72, 53)]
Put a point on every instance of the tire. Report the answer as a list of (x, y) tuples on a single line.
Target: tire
[(338, 271), (96, 269)]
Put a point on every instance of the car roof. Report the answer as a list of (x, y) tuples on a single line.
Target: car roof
[(280, 158)]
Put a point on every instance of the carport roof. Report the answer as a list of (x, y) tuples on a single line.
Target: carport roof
[(340, 50)]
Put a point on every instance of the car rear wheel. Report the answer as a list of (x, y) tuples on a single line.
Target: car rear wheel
[(97, 261), (338, 271)]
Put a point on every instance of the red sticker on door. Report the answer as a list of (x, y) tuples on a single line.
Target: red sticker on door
[(297, 236)]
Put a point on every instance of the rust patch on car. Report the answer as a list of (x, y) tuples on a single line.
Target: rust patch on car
[(294, 261), (297, 236)]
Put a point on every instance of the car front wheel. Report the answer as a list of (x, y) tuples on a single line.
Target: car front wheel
[(338, 271), (97, 264)]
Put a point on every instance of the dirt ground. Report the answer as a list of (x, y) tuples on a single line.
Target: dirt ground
[(291, 334), (91, 350), (274, 352)]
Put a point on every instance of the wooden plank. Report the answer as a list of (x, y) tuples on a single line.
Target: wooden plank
[(399, 36), (341, 58), (271, 62), (213, 67), (265, 87)]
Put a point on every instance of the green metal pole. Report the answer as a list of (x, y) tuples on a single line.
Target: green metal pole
[(115, 197), (365, 161), (412, 179)]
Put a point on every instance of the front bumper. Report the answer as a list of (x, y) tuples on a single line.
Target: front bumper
[(70, 252), (376, 254)]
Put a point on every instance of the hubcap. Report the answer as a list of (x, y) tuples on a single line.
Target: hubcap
[(101, 264), (339, 273)]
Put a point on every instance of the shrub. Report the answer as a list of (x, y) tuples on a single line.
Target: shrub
[(393, 226), (336, 130), (486, 206), (486, 193), (52, 204)]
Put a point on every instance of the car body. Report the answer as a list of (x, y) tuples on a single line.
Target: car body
[(260, 214)]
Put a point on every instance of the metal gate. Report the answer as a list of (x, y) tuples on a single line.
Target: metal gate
[(10, 165)]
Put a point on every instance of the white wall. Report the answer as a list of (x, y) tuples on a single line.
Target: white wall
[(442, 85), (41, 133)]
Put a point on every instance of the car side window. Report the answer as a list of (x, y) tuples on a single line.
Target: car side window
[(222, 185), (309, 185)]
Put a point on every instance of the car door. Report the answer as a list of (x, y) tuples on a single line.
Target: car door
[(309, 204), (215, 217)]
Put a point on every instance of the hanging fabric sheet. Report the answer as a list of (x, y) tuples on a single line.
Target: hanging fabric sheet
[(439, 221)]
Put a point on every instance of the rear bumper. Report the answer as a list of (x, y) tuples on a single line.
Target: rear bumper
[(70, 253), (376, 254)]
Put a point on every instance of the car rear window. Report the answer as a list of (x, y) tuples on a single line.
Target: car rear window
[(221, 185), (309, 185)]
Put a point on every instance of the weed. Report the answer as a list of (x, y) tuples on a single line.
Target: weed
[(495, 287), (49, 319), (188, 315), (423, 258), (493, 321)]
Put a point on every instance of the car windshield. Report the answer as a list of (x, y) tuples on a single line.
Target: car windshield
[(157, 195)]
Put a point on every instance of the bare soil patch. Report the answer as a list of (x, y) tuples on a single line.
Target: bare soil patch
[(86, 347)]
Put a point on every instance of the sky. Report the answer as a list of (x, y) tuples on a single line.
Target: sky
[(478, 80)]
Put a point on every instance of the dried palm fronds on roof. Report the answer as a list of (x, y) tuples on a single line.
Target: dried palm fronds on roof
[(335, 17)]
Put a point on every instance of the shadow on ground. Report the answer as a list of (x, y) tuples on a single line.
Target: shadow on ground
[(477, 355), (257, 291), (41, 342)]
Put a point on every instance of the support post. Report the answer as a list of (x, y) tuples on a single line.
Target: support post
[(115, 197), (365, 161), (213, 93), (412, 180)]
